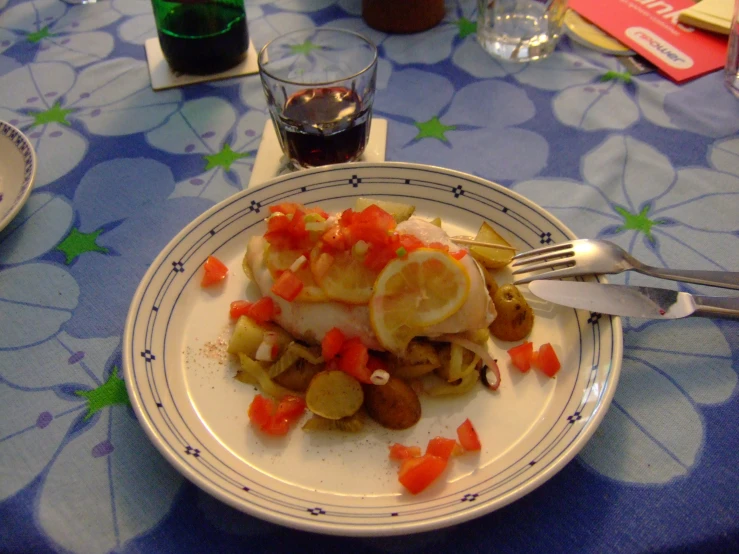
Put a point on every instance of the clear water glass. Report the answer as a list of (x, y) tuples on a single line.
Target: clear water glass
[(520, 30)]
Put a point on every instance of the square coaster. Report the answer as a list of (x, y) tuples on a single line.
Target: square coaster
[(162, 77), (271, 162)]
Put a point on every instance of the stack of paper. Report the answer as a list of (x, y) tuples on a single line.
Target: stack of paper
[(712, 15)]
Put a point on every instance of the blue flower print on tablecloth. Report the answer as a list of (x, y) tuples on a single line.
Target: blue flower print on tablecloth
[(631, 195), (653, 432), (113, 97), (58, 31), (114, 239), (68, 414), (38, 228), (479, 119), (221, 147), (595, 92)]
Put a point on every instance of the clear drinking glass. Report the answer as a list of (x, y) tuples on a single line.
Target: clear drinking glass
[(731, 71), (320, 86), (520, 30)]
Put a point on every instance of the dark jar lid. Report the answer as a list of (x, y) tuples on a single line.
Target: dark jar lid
[(402, 16)]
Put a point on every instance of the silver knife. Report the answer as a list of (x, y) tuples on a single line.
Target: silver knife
[(647, 302)]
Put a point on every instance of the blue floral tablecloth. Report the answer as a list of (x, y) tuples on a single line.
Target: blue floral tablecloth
[(639, 160)]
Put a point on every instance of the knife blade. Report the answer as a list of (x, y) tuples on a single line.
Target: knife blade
[(632, 301)]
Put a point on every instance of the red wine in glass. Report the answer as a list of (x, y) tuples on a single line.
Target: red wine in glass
[(322, 126)]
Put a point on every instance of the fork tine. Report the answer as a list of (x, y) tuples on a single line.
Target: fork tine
[(563, 255), (546, 249), (544, 265), (556, 274)]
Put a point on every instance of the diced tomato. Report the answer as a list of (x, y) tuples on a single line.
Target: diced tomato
[(346, 217), (262, 310), (409, 242), (239, 308), (468, 436), (277, 223), (286, 208), (334, 238), (401, 452), (287, 286), (378, 256), (418, 473), (261, 410), (277, 427), (441, 447), (290, 408), (276, 420), (521, 356), (459, 254), (439, 246), (332, 343), (547, 360), (214, 271), (353, 360)]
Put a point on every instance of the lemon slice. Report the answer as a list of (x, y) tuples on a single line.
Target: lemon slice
[(423, 289), (280, 260), (346, 280)]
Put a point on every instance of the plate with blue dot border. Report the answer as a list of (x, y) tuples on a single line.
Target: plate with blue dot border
[(181, 380)]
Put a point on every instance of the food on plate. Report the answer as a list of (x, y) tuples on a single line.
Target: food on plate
[(214, 271), (515, 317), (417, 471), (275, 418), (394, 405), (334, 394), (362, 311), (489, 257)]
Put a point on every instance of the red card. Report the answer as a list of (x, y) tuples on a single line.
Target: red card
[(650, 28)]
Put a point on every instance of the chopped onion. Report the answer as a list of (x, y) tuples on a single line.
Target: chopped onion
[(491, 371), (269, 337), (379, 377), (264, 352), (297, 264), (315, 226), (360, 248)]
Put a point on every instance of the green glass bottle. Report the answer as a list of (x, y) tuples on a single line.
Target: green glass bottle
[(201, 37)]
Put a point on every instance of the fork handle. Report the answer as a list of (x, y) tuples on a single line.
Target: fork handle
[(723, 279), (716, 306)]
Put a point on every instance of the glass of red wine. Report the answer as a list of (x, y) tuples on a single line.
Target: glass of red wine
[(320, 85)]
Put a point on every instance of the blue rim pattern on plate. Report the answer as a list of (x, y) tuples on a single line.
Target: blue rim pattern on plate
[(147, 372), (21, 142)]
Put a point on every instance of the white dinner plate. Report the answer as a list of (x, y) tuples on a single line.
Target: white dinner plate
[(181, 384), (17, 171)]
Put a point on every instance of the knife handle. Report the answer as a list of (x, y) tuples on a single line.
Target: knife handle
[(716, 306), (723, 279)]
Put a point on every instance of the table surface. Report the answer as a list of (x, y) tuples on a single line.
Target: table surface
[(638, 160)]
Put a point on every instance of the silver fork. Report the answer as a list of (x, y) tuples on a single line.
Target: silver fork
[(588, 257)]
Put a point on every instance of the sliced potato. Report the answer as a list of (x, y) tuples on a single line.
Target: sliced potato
[(351, 424), (399, 211), (492, 258), (334, 394), (456, 363), (394, 405)]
